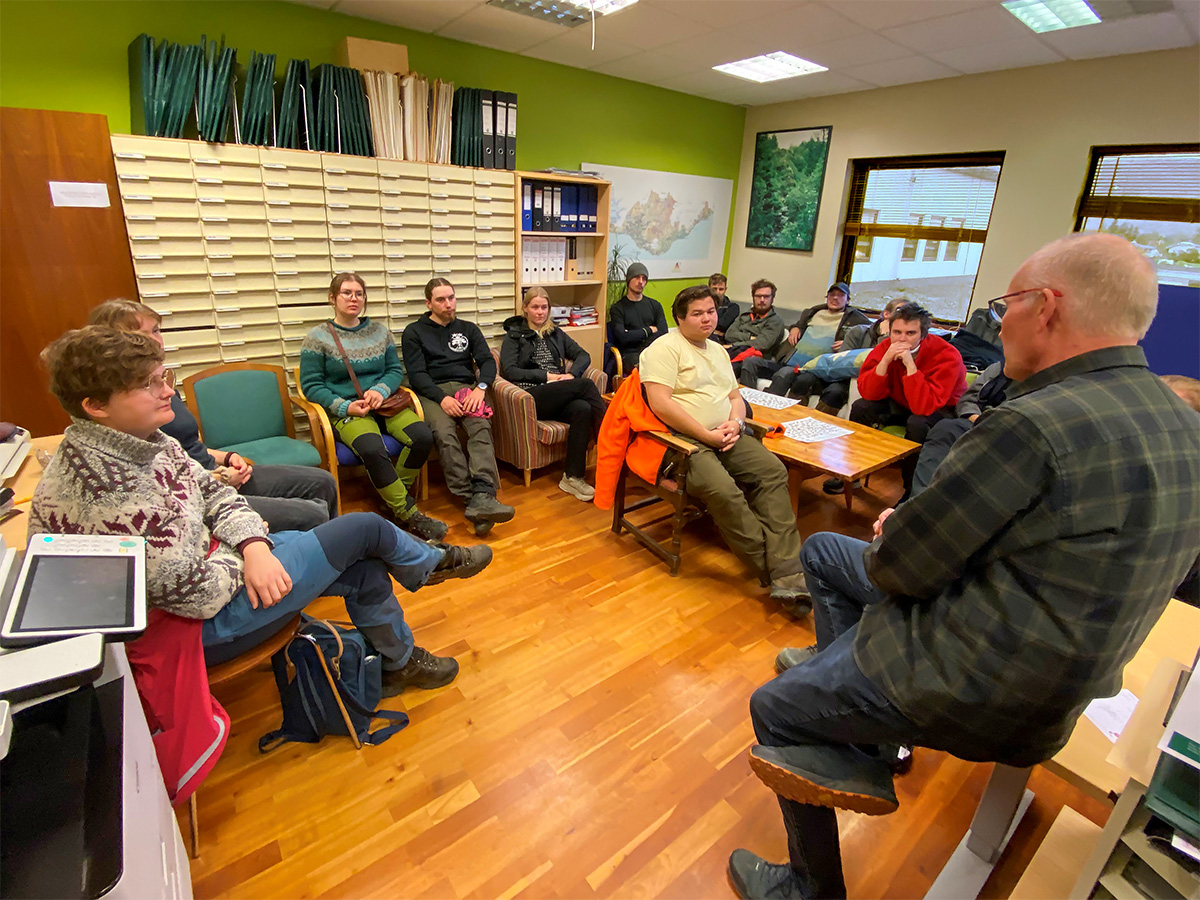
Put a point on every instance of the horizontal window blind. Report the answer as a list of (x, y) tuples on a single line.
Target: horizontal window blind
[(1152, 182)]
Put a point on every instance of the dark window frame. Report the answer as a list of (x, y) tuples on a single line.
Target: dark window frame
[(1160, 209)]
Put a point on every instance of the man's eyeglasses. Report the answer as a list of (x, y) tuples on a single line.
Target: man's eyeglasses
[(352, 295), (155, 383), (999, 306)]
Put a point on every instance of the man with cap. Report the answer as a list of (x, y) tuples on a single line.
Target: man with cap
[(820, 329), (635, 320)]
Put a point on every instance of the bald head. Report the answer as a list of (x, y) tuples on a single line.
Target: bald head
[(1109, 288)]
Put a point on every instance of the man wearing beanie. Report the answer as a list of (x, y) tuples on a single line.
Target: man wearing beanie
[(635, 320)]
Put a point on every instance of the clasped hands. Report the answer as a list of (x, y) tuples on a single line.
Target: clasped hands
[(724, 435), (371, 400), (901, 352)]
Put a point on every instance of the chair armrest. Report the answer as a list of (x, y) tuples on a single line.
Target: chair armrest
[(617, 356), (760, 429), (514, 407), (672, 442), (322, 432), (597, 377)]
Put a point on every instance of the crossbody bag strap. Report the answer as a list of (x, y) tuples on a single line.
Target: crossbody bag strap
[(342, 350)]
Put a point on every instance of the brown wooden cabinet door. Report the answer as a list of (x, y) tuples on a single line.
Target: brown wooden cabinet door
[(56, 263)]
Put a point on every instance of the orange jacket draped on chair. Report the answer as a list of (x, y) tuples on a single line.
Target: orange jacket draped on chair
[(621, 441)]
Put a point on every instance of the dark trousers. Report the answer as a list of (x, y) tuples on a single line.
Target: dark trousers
[(881, 413), (937, 446), (802, 384), (757, 367), (828, 699), (291, 498), (576, 402)]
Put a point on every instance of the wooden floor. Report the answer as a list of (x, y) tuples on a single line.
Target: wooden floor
[(593, 745)]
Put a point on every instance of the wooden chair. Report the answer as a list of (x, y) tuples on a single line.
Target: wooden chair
[(246, 407), (519, 438), (342, 457), (227, 671)]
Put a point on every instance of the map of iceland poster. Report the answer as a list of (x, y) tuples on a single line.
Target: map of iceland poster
[(785, 195), (675, 224)]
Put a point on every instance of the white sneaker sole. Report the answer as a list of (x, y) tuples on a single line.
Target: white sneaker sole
[(578, 495)]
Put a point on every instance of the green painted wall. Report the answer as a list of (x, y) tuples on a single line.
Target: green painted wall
[(72, 55)]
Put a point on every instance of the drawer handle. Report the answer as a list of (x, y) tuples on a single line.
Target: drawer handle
[(213, 219), (339, 206), (340, 223), (222, 274), (210, 199), (440, 226), (287, 290), (336, 187), (282, 237), (441, 256), (128, 155), (223, 327), (156, 294), (205, 161), (487, 198), (395, 209), (287, 273), (224, 291), (220, 255), (333, 171), (138, 197), (147, 256), (486, 243), (340, 239), (284, 255), (132, 177), (140, 218), (342, 255), (209, 181), (483, 212), (438, 180), (143, 237), (276, 184), (216, 237), (441, 240), (268, 165), (486, 256), (439, 196), (227, 309), (279, 203), (484, 227), (280, 222), (152, 276)]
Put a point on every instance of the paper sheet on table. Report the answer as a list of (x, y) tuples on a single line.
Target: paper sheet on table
[(1182, 736), (1111, 714), (811, 431), (770, 401)]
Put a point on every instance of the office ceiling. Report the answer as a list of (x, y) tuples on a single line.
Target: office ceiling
[(864, 43)]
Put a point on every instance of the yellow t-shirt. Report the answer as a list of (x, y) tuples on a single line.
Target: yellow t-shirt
[(701, 380)]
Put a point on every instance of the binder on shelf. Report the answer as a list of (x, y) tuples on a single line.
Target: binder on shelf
[(570, 207), (487, 105), (510, 151), (592, 199), (527, 206), (572, 262), (501, 116), (544, 259), (539, 223), (560, 259), (556, 209)]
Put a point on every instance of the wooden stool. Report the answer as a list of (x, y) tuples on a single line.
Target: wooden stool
[(227, 671)]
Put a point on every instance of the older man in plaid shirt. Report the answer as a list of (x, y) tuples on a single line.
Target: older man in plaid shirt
[(994, 606)]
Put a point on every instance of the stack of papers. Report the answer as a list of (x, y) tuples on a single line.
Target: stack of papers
[(443, 106), (770, 401), (414, 101), (383, 101), (812, 431)]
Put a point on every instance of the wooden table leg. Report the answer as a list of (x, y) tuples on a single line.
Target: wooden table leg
[(848, 490)]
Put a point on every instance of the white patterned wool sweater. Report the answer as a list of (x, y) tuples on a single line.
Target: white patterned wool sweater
[(104, 481)]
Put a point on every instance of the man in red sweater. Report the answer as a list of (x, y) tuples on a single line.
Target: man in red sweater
[(911, 378)]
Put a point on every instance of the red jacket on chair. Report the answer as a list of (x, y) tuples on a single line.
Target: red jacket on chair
[(188, 726), (940, 379), (619, 441)]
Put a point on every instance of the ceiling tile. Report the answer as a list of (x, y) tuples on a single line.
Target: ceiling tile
[(725, 13), (877, 14), (702, 80), (716, 47), (977, 26), (419, 15), (646, 67), (811, 23), (900, 71), (863, 48), (644, 27), (1189, 11), (1161, 31), (1011, 54), (490, 26), (574, 48)]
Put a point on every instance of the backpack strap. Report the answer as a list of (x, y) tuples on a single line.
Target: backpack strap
[(375, 738)]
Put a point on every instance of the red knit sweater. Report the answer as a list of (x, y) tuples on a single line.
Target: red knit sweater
[(940, 379)]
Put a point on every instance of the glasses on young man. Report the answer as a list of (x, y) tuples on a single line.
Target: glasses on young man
[(999, 306), (156, 383)]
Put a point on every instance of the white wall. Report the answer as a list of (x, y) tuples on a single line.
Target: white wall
[(1045, 118)]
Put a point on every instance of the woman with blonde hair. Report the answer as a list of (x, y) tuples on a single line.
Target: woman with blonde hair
[(535, 355), (349, 365), (290, 498)]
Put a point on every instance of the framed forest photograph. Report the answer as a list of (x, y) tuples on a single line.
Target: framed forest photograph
[(785, 195)]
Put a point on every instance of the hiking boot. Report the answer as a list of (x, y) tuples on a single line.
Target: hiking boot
[(836, 485), (823, 407), (792, 591), (423, 671), (482, 528), (835, 775), (425, 527), (577, 488), (753, 878), (460, 562), (793, 656), (486, 508)]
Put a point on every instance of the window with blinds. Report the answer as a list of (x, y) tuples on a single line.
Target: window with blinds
[(915, 227), (1149, 194)]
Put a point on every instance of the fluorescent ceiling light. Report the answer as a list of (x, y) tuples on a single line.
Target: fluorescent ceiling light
[(770, 67), (1052, 15), (563, 12)]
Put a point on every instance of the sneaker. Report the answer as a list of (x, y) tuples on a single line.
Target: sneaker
[(486, 508), (425, 527), (793, 656), (753, 878), (423, 670), (792, 590), (460, 562), (835, 775), (836, 485), (577, 488)]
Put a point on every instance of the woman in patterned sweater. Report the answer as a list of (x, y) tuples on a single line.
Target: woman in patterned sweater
[(534, 356), (325, 380)]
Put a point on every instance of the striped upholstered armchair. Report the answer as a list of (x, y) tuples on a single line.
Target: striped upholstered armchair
[(519, 438)]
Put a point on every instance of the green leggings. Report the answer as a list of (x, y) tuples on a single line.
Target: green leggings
[(362, 435)]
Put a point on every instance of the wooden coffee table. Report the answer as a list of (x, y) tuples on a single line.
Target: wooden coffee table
[(849, 457)]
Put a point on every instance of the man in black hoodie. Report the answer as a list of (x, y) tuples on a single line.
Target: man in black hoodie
[(441, 356)]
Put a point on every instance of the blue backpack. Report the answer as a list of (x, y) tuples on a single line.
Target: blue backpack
[(330, 681)]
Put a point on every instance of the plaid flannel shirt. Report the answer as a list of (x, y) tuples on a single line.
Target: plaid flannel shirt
[(1027, 575)]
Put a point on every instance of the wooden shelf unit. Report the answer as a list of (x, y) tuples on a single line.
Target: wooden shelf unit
[(580, 292)]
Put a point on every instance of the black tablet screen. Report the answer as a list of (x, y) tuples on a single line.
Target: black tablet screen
[(71, 592)]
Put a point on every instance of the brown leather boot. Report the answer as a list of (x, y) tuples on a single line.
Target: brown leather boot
[(827, 409)]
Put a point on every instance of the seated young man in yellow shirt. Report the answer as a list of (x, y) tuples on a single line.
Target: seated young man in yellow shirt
[(690, 385)]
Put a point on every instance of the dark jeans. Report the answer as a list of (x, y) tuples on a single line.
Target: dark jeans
[(757, 367), (937, 446), (881, 413), (802, 384), (291, 498), (828, 699), (576, 402)]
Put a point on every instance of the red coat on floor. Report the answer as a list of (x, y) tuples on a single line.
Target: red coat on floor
[(940, 379), (619, 441)]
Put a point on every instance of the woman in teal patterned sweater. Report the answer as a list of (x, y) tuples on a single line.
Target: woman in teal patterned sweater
[(325, 380)]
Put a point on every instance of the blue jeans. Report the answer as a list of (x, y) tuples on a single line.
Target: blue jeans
[(351, 557), (828, 699)]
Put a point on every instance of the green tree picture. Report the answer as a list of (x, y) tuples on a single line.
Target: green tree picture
[(785, 195)]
